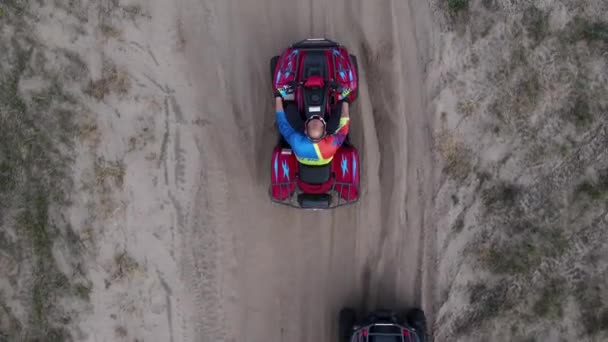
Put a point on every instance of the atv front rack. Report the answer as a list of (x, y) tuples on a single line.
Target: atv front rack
[(299, 199), (315, 43)]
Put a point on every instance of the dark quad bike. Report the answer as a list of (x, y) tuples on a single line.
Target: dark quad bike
[(383, 326), (317, 71)]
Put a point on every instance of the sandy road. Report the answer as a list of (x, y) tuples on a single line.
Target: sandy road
[(259, 272)]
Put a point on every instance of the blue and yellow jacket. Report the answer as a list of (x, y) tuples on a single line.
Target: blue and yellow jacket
[(308, 152)]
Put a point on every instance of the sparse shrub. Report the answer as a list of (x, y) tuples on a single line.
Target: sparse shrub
[(581, 113), (458, 225), (528, 92), (113, 80), (502, 193), (596, 31), (581, 29), (83, 291), (536, 23), (120, 331), (457, 156), (124, 265), (110, 31), (458, 5), (487, 301), (524, 249), (594, 314), (466, 107), (105, 170), (595, 190), (549, 304), (512, 257), (489, 4)]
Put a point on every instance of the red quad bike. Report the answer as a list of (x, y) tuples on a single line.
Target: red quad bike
[(316, 70), (383, 326)]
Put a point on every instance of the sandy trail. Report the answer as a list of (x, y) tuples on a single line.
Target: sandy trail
[(259, 272), (182, 241)]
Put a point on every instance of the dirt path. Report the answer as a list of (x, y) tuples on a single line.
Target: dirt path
[(260, 272)]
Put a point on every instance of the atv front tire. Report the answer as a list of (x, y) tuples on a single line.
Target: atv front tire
[(273, 66), (417, 319), (347, 321), (353, 58)]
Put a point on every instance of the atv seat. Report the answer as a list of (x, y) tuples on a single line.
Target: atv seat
[(314, 174)]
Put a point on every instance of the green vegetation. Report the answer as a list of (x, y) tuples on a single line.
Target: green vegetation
[(597, 191), (527, 92), (112, 81), (124, 265), (536, 23), (501, 194), (487, 300), (593, 310), (83, 291), (581, 29), (524, 249), (549, 304), (458, 5), (514, 257), (581, 112), (36, 130)]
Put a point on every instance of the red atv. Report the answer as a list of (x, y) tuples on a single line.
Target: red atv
[(316, 71)]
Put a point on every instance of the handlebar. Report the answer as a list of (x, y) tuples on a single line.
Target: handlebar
[(333, 85)]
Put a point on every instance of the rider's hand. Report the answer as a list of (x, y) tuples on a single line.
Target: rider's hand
[(343, 95), (282, 91)]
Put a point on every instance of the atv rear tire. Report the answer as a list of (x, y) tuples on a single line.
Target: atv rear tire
[(417, 319), (273, 66), (347, 321)]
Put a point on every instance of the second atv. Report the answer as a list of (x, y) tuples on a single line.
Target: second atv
[(383, 326)]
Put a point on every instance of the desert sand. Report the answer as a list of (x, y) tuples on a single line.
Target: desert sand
[(216, 260), (135, 145)]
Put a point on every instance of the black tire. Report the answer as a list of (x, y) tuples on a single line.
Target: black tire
[(353, 59), (273, 66), (417, 320), (348, 318)]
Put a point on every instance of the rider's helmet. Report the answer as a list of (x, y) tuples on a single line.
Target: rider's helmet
[(314, 127)]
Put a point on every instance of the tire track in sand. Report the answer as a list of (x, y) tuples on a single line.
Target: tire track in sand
[(249, 264)]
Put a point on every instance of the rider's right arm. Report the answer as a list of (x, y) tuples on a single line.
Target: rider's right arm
[(290, 134), (284, 127)]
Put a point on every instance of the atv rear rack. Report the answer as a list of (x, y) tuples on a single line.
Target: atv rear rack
[(294, 200)]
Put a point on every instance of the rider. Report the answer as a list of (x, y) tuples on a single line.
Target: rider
[(314, 146)]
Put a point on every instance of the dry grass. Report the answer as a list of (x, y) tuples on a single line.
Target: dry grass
[(124, 266), (108, 172), (110, 31), (457, 156), (466, 107), (113, 81), (109, 176), (549, 303), (121, 331)]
